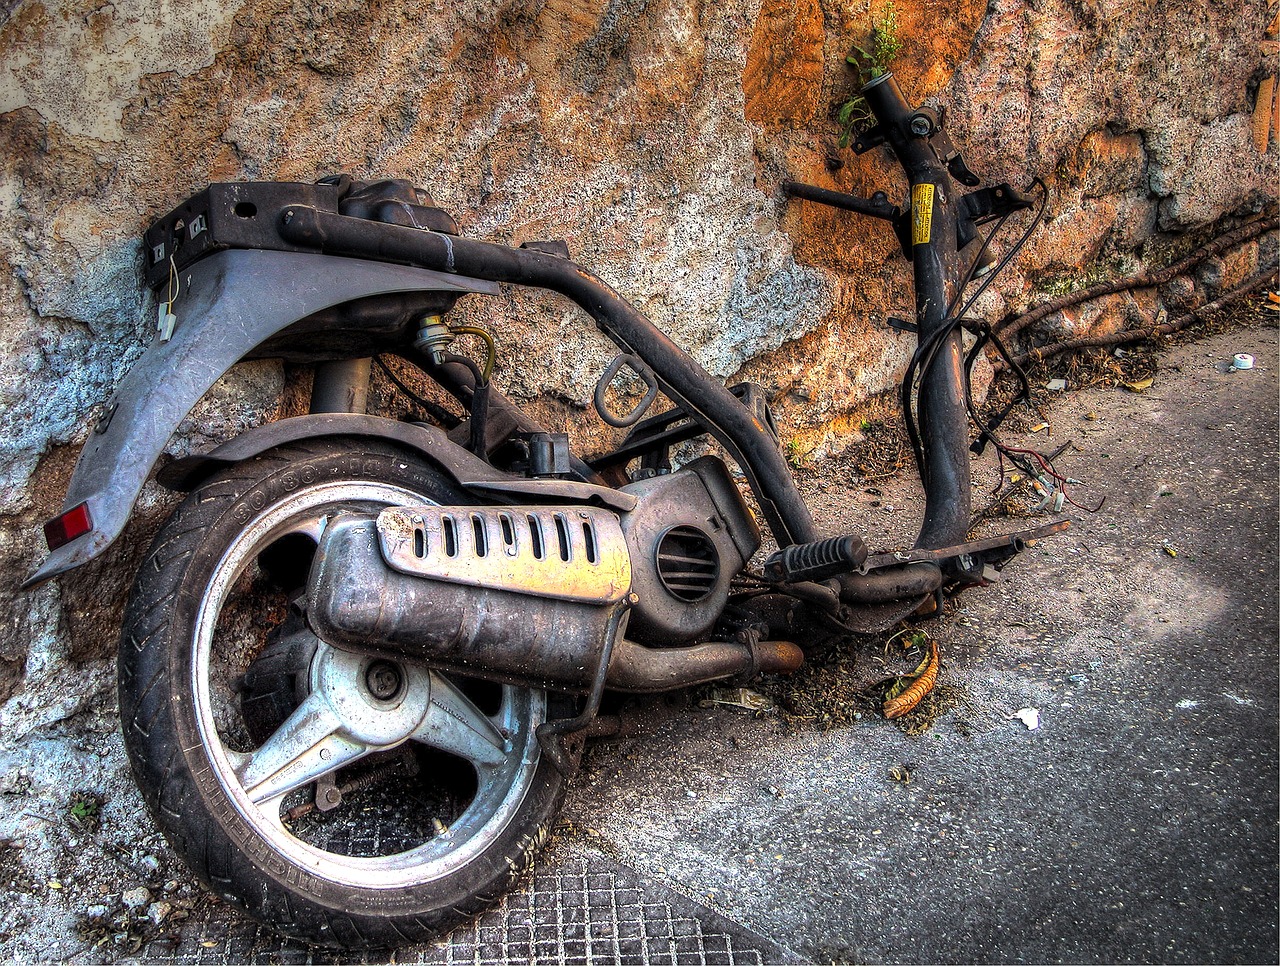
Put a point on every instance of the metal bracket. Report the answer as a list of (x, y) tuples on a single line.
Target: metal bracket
[(658, 434), (640, 369), (1013, 542), (555, 247), (872, 137), (992, 202), (552, 734), (959, 170), (328, 794)]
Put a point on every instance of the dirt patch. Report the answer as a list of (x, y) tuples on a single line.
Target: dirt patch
[(1132, 363), (125, 923), (15, 880), (843, 682), (884, 449), (831, 690)]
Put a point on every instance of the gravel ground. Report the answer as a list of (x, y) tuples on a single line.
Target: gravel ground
[(1137, 822)]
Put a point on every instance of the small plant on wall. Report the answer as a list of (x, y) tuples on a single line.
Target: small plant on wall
[(870, 60)]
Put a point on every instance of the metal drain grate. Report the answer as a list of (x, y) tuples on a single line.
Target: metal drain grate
[(575, 909)]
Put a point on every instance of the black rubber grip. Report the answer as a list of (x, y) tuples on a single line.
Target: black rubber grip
[(816, 561)]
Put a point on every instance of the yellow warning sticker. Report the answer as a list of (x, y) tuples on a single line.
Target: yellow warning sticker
[(921, 213)]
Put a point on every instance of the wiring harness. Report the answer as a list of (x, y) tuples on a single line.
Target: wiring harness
[(1037, 466)]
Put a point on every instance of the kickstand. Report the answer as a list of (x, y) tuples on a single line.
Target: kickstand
[(551, 734)]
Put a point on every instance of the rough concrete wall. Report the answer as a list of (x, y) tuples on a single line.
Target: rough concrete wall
[(650, 135)]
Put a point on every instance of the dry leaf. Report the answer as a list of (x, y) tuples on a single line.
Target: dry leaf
[(925, 675), (737, 698)]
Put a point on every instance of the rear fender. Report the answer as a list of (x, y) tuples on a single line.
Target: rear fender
[(184, 475), (228, 303), (485, 481)]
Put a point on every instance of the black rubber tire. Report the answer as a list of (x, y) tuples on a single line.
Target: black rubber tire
[(174, 770), (276, 682)]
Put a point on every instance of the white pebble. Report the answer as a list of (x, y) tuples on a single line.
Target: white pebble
[(137, 898)]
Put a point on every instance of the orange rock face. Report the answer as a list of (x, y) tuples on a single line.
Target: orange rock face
[(782, 80)]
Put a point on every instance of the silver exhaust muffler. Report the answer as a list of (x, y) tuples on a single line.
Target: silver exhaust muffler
[(520, 595)]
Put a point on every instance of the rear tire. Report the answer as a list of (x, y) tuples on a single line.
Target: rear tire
[(203, 693)]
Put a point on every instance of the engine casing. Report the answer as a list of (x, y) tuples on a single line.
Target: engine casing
[(689, 535)]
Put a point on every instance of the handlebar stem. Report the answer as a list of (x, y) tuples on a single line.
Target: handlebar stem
[(938, 272)]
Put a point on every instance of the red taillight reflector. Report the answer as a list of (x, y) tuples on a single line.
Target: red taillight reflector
[(65, 528)]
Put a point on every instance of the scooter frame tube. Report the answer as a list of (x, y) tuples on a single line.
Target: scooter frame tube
[(681, 378), (944, 422)]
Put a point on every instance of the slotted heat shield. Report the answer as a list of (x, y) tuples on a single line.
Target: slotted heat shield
[(688, 564), (570, 553)]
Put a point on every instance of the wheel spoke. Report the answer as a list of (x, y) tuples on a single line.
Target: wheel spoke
[(310, 526), (273, 812), (454, 724), (309, 744)]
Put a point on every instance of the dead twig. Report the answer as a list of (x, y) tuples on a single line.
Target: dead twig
[(1151, 279), (1250, 284)]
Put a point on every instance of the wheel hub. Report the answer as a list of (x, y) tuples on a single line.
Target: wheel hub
[(378, 702), (384, 680)]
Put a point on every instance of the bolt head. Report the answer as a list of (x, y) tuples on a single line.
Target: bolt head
[(383, 679)]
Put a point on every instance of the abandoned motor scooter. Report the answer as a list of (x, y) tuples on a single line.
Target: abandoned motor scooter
[(359, 661)]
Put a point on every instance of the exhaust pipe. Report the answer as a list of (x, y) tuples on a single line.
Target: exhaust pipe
[(636, 668), (518, 595)]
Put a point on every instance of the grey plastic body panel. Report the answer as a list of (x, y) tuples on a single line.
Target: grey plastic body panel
[(230, 302)]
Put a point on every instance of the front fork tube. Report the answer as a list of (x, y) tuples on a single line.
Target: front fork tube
[(943, 415)]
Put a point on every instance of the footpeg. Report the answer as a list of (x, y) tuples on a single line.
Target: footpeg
[(816, 561)]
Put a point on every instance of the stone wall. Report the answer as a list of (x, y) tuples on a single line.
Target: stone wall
[(650, 135)]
